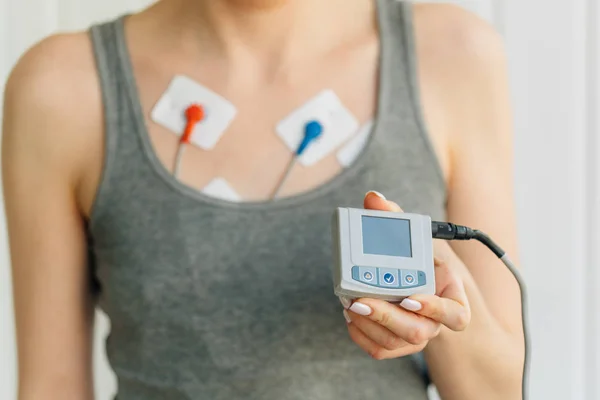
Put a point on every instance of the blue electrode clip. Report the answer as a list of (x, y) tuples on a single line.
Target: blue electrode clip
[(312, 131)]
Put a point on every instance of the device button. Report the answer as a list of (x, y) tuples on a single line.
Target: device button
[(409, 278), (366, 275), (388, 277)]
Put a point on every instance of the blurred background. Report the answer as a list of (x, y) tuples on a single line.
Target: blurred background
[(554, 55)]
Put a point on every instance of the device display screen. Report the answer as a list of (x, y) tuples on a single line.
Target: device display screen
[(386, 236)]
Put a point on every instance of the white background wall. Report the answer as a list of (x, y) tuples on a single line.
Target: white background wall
[(554, 56)]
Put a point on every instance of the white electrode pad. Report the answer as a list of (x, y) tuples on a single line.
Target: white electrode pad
[(220, 189), (348, 154), (182, 92), (337, 122)]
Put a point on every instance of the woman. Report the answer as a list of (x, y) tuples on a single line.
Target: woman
[(219, 300)]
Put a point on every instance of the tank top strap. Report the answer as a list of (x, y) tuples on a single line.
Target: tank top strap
[(123, 152), (107, 42), (403, 138), (398, 52)]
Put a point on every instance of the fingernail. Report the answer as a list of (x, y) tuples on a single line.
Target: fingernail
[(361, 309), (347, 316), (376, 194), (345, 301), (411, 305)]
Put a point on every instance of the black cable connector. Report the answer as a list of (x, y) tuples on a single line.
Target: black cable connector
[(450, 231)]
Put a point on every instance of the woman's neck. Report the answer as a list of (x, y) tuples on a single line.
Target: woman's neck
[(274, 32)]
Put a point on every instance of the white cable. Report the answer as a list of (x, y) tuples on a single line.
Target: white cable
[(513, 269), (286, 175)]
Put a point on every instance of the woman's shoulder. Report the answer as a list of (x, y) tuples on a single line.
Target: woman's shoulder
[(462, 74), (56, 75), (455, 35), (461, 57), (53, 104), (53, 61)]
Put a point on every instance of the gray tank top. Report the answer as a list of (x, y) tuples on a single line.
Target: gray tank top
[(216, 300)]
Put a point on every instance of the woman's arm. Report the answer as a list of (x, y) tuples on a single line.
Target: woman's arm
[(463, 68), (40, 163)]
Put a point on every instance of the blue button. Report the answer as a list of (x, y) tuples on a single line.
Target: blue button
[(368, 276), (388, 278)]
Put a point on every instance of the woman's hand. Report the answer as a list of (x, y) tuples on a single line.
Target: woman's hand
[(386, 330)]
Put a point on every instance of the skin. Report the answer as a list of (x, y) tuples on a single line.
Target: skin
[(256, 57)]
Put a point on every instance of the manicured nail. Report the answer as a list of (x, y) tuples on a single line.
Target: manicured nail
[(376, 194), (347, 316), (361, 309), (346, 302), (411, 305)]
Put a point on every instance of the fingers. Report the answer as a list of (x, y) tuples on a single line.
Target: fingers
[(377, 333), (408, 326), (375, 350), (450, 307), (346, 302), (376, 201), (411, 331), (448, 283), (445, 311)]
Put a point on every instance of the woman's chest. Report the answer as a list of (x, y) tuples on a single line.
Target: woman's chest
[(250, 155)]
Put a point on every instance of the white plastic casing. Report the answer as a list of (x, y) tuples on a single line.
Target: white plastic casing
[(349, 257)]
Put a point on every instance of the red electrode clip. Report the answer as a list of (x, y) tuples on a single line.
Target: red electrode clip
[(193, 114)]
